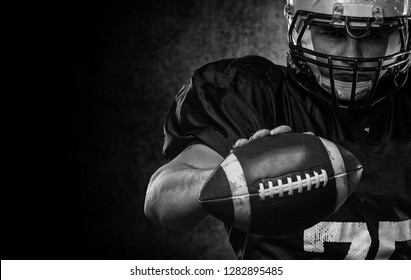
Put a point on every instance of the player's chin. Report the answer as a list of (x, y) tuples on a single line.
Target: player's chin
[(349, 77), (346, 96)]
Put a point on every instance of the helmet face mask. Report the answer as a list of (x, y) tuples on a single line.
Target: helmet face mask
[(347, 55)]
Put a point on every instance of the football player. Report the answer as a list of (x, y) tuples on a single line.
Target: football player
[(346, 81)]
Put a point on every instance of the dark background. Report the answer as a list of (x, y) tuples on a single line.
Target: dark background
[(123, 63)]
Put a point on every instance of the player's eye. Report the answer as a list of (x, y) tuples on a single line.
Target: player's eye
[(334, 34)]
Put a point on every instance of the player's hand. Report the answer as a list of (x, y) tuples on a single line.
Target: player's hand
[(261, 133)]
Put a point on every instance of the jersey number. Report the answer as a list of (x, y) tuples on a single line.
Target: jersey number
[(358, 236)]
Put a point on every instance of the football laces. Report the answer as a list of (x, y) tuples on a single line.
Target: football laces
[(270, 189)]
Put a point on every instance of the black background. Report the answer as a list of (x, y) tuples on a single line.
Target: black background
[(91, 141)]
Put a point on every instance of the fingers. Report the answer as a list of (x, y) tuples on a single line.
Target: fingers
[(284, 129), (265, 132), (280, 129), (260, 133), (308, 133), (240, 142)]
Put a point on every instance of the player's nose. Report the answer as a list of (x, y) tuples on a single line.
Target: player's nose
[(352, 48)]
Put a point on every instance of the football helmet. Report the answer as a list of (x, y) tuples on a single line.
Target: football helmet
[(359, 80)]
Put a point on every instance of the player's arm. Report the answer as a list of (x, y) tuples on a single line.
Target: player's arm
[(173, 191)]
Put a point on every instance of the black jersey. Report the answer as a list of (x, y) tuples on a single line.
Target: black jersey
[(233, 98)]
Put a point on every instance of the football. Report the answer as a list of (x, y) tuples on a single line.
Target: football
[(281, 184)]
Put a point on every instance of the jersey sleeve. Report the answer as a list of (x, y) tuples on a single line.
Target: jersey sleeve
[(218, 106)]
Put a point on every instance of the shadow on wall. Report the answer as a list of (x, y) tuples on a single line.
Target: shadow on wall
[(131, 59)]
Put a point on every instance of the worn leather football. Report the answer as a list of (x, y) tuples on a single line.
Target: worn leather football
[(280, 184)]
